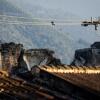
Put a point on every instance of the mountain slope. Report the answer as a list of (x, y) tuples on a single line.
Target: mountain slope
[(7, 8), (62, 40)]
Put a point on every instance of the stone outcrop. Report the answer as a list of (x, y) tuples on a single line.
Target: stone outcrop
[(15, 56), (88, 56), (9, 54)]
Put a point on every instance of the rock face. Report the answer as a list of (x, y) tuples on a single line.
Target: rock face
[(88, 56), (9, 54), (15, 56), (96, 45), (40, 57)]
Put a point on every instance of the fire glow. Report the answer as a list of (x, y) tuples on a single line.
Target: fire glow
[(74, 70)]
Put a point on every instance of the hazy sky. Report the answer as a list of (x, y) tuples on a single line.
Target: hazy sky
[(79, 7), (83, 8)]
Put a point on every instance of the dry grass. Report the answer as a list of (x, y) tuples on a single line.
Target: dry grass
[(91, 81)]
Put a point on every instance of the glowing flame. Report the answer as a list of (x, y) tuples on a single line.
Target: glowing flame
[(72, 70)]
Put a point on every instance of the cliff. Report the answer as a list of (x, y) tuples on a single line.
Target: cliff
[(88, 56)]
